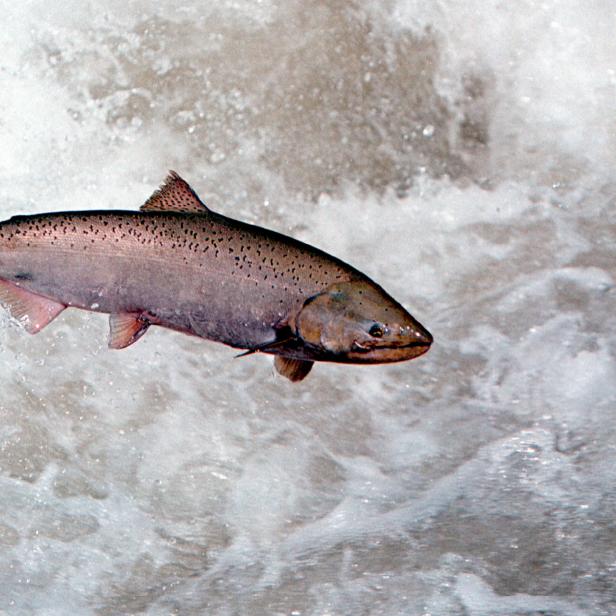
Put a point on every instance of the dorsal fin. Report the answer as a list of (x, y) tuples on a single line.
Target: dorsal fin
[(175, 195)]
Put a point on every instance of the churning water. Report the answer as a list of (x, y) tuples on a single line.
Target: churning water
[(460, 153)]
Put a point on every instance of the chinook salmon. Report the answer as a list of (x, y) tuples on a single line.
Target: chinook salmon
[(177, 264)]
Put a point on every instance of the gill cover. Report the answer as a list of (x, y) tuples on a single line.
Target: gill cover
[(324, 318)]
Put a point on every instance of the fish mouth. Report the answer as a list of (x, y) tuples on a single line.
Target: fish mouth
[(389, 353)]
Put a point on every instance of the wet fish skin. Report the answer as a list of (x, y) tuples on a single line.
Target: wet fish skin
[(179, 265), (187, 271)]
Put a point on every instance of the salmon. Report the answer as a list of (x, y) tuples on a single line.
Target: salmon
[(177, 264)]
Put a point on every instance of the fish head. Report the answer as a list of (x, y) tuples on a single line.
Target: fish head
[(359, 322)]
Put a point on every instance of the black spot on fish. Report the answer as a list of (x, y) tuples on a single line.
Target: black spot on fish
[(23, 276)]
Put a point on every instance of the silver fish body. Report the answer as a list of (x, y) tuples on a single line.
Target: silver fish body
[(178, 265)]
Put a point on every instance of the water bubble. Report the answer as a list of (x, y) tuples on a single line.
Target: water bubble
[(217, 157)]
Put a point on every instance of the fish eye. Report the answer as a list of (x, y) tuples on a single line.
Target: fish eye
[(376, 331)]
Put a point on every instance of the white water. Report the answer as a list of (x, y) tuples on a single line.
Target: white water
[(463, 155)]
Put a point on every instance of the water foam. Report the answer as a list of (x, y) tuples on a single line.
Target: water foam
[(460, 156)]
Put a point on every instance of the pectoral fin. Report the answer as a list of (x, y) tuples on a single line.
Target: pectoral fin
[(294, 369), (33, 311), (126, 328)]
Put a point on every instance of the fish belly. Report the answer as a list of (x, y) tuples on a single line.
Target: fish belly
[(172, 295)]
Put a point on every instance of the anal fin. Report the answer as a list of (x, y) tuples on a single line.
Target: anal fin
[(33, 311), (294, 369), (126, 328)]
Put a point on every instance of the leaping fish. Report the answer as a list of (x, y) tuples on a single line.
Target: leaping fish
[(177, 264)]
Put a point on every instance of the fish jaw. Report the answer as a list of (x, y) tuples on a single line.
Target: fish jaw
[(409, 343), (384, 354)]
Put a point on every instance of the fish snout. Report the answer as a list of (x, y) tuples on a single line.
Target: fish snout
[(415, 334), (410, 341)]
